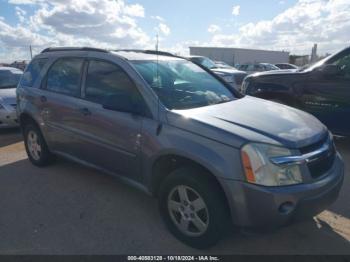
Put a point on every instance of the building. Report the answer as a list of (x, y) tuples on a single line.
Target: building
[(236, 56)]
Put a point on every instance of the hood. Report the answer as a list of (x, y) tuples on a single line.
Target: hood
[(228, 71), (8, 95), (251, 119), (277, 72)]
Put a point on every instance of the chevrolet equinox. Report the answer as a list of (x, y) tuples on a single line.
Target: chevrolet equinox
[(180, 133)]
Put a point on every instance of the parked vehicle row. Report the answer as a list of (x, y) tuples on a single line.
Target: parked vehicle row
[(259, 67), (230, 74), (178, 131)]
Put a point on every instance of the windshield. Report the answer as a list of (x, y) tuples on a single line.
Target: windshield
[(204, 61), (9, 79), (313, 66), (181, 84)]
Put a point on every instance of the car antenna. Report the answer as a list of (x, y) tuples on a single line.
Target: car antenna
[(159, 128)]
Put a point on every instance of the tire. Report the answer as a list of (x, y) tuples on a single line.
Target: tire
[(38, 154), (199, 188)]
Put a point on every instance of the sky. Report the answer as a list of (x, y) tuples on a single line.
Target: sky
[(289, 25)]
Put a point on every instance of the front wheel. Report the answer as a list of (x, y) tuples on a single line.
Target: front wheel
[(194, 208)]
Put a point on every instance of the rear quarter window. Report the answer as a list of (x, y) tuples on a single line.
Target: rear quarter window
[(32, 72)]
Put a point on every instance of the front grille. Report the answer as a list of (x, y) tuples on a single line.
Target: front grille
[(239, 78), (324, 162), (314, 146)]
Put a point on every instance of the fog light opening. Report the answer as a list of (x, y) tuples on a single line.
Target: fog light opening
[(286, 208)]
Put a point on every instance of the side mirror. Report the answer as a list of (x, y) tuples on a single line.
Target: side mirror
[(122, 102), (330, 70)]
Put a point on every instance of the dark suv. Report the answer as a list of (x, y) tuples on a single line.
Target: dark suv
[(322, 90), (181, 133)]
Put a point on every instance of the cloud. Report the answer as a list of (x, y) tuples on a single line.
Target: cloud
[(100, 23), (235, 10), (325, 22), (214, 29), (135, 10), (164, 29), (159, 18), (20, 14)]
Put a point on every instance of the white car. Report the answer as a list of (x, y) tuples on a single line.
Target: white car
[(9, 78)]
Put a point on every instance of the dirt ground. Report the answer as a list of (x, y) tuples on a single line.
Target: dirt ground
[(70, 209)]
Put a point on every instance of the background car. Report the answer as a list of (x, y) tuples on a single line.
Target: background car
[(9, 78), (286, 66), (260, 67), (230, 74), (221, 64), (322, 89)]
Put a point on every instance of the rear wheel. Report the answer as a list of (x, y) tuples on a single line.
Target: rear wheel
[(37, 150), (193, 208)]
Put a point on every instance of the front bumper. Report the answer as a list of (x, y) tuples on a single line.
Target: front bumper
[(255, 206), (8, 118)]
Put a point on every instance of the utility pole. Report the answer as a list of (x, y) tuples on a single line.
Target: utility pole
[(157, 43), (31, 53)]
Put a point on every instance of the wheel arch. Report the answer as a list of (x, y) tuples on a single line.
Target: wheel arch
[(165, 164), (25, 118)]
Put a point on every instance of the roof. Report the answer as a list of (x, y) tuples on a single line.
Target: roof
[(129, 54), (138, 56)]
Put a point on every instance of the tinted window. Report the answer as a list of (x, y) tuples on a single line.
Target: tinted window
[(9, 78), (105, 80), (64, 76), (32, 72), (344, 65)]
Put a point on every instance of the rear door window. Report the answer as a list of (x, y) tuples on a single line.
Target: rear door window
[(64, 76), (32, 72)]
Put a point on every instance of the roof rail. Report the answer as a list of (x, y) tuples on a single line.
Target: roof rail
[(54, 49), (151, 52)]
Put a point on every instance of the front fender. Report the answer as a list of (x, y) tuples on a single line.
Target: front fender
[(223, 161)]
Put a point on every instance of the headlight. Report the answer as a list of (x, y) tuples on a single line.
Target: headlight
[(260, 170)]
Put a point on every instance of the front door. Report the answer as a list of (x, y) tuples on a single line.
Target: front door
[(113, 138), (327, 96)]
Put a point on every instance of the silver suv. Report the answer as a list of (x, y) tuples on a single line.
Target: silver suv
[(179, 132)]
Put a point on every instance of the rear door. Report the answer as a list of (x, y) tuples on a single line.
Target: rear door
[(60, 96), (327, 96), (112, 138)]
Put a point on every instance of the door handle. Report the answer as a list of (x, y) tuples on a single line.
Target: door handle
[(43, 99), (85, 111)]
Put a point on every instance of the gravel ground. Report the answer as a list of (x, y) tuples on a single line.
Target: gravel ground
[(69, 209)]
